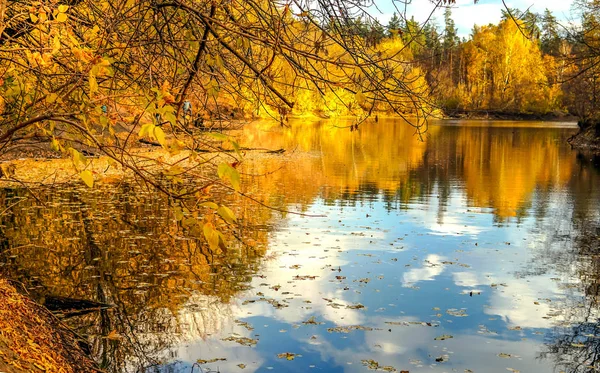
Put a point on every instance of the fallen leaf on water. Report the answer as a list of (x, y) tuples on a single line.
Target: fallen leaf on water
[(347, 329), (355, 306), (242, 366), (457, 313), (287, 356), (312, 321), (202, 361), (244, 324), (242, 340), (371, 364), (443, 337)]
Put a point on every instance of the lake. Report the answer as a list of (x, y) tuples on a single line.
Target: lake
[(474, 250)]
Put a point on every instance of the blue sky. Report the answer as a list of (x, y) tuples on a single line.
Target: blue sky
[(465, 13)]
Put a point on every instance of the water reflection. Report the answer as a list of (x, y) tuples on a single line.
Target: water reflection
[(122, 245), (471, 250), (498, 167)]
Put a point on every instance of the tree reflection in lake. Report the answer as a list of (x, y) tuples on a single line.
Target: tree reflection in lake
[(121, 245), (459, 224), (574, 344)]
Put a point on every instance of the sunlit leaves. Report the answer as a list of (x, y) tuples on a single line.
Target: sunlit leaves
[(228, 173), (226, 213), (146, 130), (87, 178), (212, 235), (79, 159), (212, 88), (154, 132), (211, 205), (51, 98), (61, 17), (159, 134), (93, 84), (218, 136)]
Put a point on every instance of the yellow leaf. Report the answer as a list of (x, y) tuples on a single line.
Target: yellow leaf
[(211, 205), (227, 214), (55, 44), (51, 98), (360, 98), (160, 135), (146, 129), (55, 145), (33, 17), (211, 235), (63, 8), (61, 17), (226, 172), (78, 158), (87, 178), (93, 84)]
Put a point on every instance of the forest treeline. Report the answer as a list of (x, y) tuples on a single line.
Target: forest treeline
[(526, 64)]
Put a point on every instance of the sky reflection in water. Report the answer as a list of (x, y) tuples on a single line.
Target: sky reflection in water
[(445, 286)]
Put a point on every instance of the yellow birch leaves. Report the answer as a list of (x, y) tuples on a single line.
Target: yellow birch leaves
[(79, 160), (154, 132)]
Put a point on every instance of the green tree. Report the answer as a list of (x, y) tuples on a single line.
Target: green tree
[(451, 39), (433, 44), (550, 36), (413, 36), (394, 26)]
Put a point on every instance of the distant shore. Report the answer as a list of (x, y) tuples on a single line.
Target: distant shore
[(500, 115)]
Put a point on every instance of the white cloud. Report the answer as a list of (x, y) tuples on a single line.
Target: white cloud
[(432, 267)]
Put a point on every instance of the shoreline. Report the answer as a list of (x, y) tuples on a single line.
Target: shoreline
[(33, 339), (586, 140), (499, 115)]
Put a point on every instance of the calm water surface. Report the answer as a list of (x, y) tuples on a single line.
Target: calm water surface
[(476, 250)]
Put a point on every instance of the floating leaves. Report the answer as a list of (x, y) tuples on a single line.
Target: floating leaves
[(357, 306), (312, 321), (202, 361), (287, 356), (443, 337), (244, 324), (348, 329), (457, 313), (374, 365), (244, 341)]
